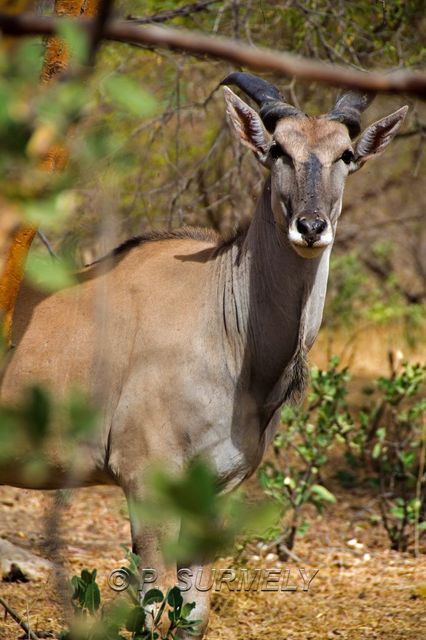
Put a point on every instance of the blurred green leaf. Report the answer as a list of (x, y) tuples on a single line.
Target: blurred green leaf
[(37, 409), (127, 94), (50, 213), (92, 597), (81, 417), (136, 620), (152, 596), (174, 598), (76, 39), (47, 273), (323, 493)]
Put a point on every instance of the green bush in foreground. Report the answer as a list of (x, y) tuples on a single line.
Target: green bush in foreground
[(141, 617)]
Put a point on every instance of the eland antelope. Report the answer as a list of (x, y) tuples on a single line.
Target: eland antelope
[(202, 340)]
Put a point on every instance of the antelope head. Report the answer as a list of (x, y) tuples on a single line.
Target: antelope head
[(309, 157)]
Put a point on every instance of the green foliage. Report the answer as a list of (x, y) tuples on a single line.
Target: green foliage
[(126, 94), (26, 427), (77, 43), (210, 520), (139, 614), (302, 449), (347, 293), (354, 297), (390, 440), (34, 117), (386, 438), (48, 273), (86, 591)]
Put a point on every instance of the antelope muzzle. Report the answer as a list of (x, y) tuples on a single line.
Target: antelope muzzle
[(310, 234)]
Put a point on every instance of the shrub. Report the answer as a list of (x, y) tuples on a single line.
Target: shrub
[(134, 614), (390, 441), (386, 438), (301, 449)]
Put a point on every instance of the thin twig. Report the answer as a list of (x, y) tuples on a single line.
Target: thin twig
[(47, 244), (19, 620), (421, 128), (419, 491), (280, 541), (165, 16)]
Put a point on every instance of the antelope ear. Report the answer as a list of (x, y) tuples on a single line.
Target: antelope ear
[(247, 124), (377, 136)]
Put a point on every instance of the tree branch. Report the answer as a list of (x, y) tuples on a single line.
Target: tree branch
[(421, 128), (383, 273), (258, 59), (18, 619), (102, 18), (164, 16)]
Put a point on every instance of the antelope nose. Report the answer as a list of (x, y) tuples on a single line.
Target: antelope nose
[(309, 228)]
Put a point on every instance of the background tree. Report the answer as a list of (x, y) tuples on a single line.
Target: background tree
[(182, 167)]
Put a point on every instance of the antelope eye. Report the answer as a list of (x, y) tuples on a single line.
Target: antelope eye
[(347, 156), (276, 151)]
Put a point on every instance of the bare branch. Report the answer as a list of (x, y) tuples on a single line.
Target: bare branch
[(47, 244), (258, 59), (383, 272), (18, 619), (164, 16), (104, 13), (420, 128)]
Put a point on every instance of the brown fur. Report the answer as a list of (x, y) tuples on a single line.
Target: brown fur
[(185, 233), (301, 136)]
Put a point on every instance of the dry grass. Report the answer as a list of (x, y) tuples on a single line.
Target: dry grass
[(351, 597), (365, 350)]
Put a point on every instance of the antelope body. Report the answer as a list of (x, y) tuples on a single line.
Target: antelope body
[(200, 341)]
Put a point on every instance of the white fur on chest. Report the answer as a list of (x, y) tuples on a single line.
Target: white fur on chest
[(314, 305)]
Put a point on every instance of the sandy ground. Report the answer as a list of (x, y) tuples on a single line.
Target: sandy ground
[(368, 592)]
